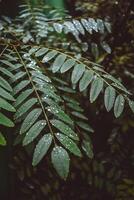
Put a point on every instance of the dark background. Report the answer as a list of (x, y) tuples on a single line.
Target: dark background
[(9, 7)]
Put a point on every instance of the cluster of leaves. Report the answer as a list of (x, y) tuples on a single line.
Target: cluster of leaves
[(43, 24), (119, 62), (48, 113)]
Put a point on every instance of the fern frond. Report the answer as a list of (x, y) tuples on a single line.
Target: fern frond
[(84, 73), (44, 25), (6, 91), (40, 110), (6, 98)]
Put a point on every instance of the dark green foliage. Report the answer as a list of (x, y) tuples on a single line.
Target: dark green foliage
[(54, 86)]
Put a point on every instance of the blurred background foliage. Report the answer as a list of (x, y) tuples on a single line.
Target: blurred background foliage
[(109, 175)]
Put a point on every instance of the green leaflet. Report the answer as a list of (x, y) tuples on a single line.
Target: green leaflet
[(49, 92), (85, 126), (41, 148), (41, 52), (50, 55), (119, 105), (68, 144), (100, 25), (110, 77), (20, 86), (67, 65), (6, 72), (106, 47), (109, 97), (71, 28), (5, 84), (79, 26), (108, 26), (87, 147), (7, 63), (22, 97), (5, 121), (48, 101), (47, 86), (34, 131), (57, 111), (30, 119), (58, 63), (39, 81), (95, 50), (27, 14), (131, 104), (99, 68), (64, 129), (79, 115), (2, 140), (67, 89), (58, 27), (6, 95), (86, 25), (33, 50), (41, 76), (77, 73), (58, 80), (5, 105), (116, 83), (86, 80), (121, 87), (61, 161), (74, 107), (17, 66), (96, 87), (25, 107), (11, 58), (18, 76), (69, 99)]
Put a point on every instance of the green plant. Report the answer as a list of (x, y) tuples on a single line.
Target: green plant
[(45, 74)]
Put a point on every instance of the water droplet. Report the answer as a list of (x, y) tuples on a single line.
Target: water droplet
[(49, 109), (95, 77)]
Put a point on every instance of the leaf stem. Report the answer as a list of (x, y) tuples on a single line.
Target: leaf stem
[(3, 50), (38, 97)]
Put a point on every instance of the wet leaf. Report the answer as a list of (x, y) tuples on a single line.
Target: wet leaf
[(61, 161)]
